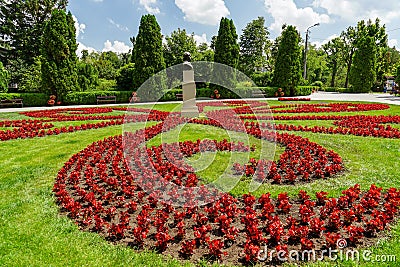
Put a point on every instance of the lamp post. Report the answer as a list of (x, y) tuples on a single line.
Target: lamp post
[(305, 51)]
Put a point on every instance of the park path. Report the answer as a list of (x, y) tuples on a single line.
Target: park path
[(318, 96)]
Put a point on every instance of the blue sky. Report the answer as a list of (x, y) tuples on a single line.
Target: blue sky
[(107, 25)]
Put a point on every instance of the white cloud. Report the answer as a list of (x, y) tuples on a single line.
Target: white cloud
[(119, 26), (200, 39), (97, 1), (207, 12), (286, 12), (82, 47), (321, 43), (80, 27), (356, 10), (393, 43), (149, 6), (117, 47)]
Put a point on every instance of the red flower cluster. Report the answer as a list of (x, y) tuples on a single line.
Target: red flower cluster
[(293, 99)]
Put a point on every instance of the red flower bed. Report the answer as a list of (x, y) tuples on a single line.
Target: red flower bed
[(96, 189), (293, 99), (149, 198)]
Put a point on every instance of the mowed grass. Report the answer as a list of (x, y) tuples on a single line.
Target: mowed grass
[(33, 233)]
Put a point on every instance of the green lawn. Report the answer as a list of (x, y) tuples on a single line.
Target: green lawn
[(32, 233)]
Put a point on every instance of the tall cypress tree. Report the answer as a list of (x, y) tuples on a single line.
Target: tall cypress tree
[(226, 52), (58, 47), (148, 56), (287, 72), (362, 73)]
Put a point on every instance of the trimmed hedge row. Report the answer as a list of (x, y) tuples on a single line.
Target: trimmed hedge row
[(336, 89), (29, 99), (89, 97)]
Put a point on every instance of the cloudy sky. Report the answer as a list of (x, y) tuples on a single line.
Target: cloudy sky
[(107, 25)]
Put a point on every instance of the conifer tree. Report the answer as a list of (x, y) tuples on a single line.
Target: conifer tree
[(362, 73), (148, 56), (58, 48), (287, 72), (226, 52)]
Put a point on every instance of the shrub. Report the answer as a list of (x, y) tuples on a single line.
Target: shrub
[(89, 98), (304, 90), (4, 78), (106, 85), (125, 77), (29, 99), (262, 79)]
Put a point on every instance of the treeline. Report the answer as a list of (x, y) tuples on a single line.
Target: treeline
[(38, 52)]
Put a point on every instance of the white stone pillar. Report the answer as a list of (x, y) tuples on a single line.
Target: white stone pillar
[(189, 108)]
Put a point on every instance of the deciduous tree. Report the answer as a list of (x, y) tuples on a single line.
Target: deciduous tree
[(252, 43)]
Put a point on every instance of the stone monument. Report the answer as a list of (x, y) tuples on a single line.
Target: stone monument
[(189, 108)]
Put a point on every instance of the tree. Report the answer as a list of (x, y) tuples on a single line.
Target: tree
[(107, 64), (176, 44), (352, 36), (88, 76), (333, 51), (287, 72), (226, 52), (58, 47), (125, 77), (252, 43), (349, 40), (23, 26), (4, 78), (397, 79), (362, 73), (148, 57), (31, 79), (226, 45)]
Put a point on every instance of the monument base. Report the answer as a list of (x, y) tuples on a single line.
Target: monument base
[(190, 112)]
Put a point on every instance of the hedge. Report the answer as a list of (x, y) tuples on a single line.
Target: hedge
[(336, 89), (89, 98), (29, 99)]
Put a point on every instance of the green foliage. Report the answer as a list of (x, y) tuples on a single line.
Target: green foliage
[(317, 69), (31, 78), (89, 98), (304, 90), (106, 85), (262, 78), (252, 46), (58, 50), (226, 52), (88, 76), (333, 51), (318, 84), (397, 79), (29, 99), (24, 25), (4, 79), (107, 64), (362, 73), (124, 77), (287, 72), (148, 56), (176, 44)]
